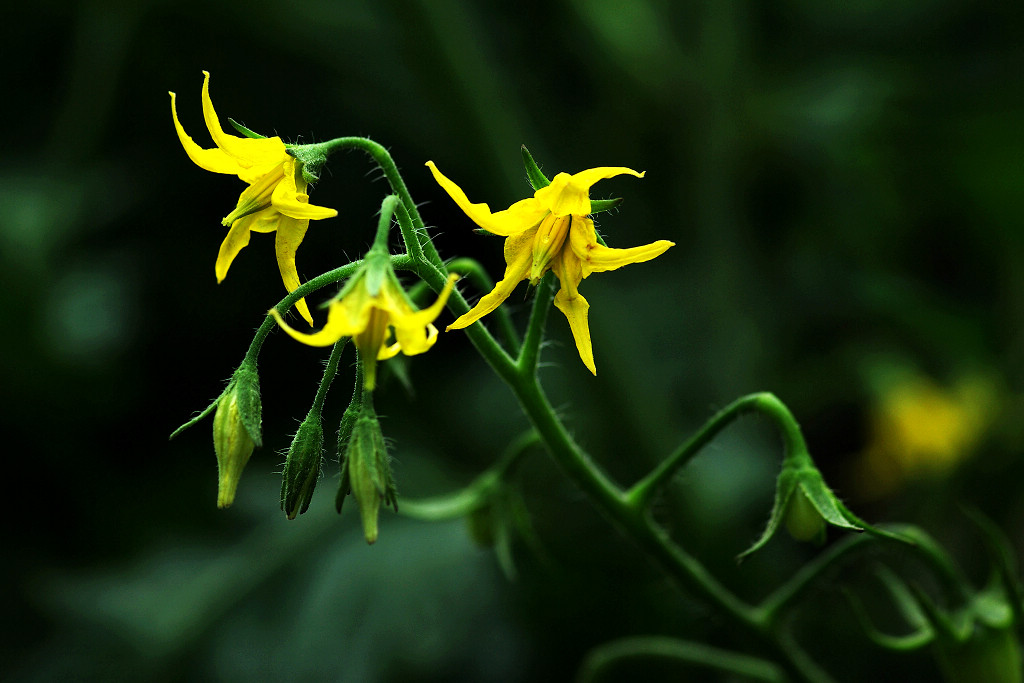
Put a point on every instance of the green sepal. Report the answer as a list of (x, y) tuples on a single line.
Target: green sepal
[(246, 383), (245, 131), (302, 466), (798, 470), (348, 422), (533, 173), (197, 417), (599, 205), (312, 158)]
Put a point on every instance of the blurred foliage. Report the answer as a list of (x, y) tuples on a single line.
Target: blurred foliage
[(842, 180)]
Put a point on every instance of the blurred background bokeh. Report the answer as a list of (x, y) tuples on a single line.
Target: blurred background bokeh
[(843, 182)]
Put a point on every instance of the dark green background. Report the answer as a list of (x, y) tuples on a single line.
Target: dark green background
[(842, 182)]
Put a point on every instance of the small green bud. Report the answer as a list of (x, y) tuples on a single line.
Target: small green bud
[(302, 468), (802, 519), (232, 443), (806, 503), (366, 472)]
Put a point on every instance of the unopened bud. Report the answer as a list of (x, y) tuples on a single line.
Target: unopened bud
[(802, 520), (366, 472), (302, 468), (232, 443)]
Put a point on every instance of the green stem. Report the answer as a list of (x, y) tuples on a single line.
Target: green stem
[(529, 354), (642, 493), (776, 605), (476, 494), (597, 663), (329, 373), (387, 164), (485, 343), (611, 500), (409, 234), (381, 238)]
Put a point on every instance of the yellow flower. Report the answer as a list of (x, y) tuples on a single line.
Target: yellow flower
[(275, 200), (551, 231), (921, 430), (371, 302)]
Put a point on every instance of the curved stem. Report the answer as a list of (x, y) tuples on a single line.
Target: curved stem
[(597, 663), (612, 501), (641, 494), (924, 548), (386, 163), (464, 501)]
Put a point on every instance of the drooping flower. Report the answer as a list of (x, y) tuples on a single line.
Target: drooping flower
[(551, 231), (371, 307), (275, 201)]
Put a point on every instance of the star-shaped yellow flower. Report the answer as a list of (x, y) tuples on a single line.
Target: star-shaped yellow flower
[(275, 200), (369, 304), (551, 230)]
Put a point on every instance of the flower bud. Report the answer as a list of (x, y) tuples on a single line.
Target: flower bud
[(802, 519), (805, 503), (366, 472), (232, 443), (302, 468)]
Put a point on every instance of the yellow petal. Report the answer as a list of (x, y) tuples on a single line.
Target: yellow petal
[(519, 258), (576, 310), (289, 236), (414, 331), (389, 351), (570, 194), (524, 214), (596, 258), (253, 156), (214, 160), (264, 221), (236, 239), (292, 201), (256, 197), (572, 304), (339, 324)]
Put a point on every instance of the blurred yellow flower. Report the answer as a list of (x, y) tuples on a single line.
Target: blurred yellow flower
[(918, 429), (275, 200), (551, 231)]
